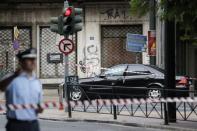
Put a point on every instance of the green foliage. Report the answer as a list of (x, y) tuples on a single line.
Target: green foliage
[(183, 11), (139, 7)]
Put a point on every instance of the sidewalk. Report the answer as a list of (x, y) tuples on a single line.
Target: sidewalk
[(57, 115)]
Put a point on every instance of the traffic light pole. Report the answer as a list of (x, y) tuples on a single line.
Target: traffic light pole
[(67, 91), (67, 24), (66, 87)]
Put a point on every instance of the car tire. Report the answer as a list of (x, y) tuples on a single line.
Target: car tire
[(154, 92), (76, 93)]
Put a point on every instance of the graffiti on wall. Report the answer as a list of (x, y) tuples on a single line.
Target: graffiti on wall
[(91, 60), (118, 14), (115, 13)]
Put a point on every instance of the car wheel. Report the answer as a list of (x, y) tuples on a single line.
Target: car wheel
[(76, 93), (154, 93)]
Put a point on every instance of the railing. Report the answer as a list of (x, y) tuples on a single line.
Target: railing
[(184, 110)]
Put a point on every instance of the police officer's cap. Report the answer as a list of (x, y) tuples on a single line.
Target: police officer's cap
[(29, 53)]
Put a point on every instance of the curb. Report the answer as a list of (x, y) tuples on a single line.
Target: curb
[(163, 127)]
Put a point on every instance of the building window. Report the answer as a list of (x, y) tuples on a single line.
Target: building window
[(49, 44), (7, 52)]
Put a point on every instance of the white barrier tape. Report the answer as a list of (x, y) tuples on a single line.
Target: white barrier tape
[(99, 102)]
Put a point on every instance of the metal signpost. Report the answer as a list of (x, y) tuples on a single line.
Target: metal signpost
[(15, 45), (66, 70), (68, 81), (68, 23), (136, 43), (66, 46)]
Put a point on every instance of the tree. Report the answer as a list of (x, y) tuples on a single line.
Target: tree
[(184, 12)]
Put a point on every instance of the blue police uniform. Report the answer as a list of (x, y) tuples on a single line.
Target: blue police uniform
[(23, 89)]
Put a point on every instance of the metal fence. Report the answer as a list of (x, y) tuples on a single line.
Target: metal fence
[(186, 111), (7, 52), (49, 44)]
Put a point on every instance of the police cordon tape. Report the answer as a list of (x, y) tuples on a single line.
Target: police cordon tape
[(97, 102)]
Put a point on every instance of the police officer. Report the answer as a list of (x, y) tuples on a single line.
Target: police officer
[(25, 88)]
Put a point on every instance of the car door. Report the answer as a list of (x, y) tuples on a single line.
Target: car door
[(136, 81), (108, 79)]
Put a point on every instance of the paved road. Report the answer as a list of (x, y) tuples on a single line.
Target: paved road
[(79, 126)]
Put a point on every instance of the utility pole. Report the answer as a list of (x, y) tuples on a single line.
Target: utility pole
[(66, 72), (170, 64), (68, 23), (152, 25)]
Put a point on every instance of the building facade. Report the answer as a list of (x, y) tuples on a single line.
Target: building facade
[(101, 43), (103, 39)]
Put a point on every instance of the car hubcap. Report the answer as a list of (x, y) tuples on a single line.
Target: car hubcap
[(76, 94), (154, 94)]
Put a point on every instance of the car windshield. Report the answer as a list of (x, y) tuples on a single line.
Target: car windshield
[(156, 68)]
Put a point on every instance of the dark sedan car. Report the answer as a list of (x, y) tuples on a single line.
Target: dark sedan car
[(126, 81)]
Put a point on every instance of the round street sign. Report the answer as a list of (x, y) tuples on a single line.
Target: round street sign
[(66, 46)]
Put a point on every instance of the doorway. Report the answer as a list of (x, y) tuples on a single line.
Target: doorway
[(114, 44)]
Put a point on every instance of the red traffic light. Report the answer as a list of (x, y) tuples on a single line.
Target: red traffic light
[(68, 11)]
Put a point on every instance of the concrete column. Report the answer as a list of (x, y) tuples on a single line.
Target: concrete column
[(34, 35), (145, 57)]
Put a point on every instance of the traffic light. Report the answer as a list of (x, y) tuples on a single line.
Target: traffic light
[(72, 20), (68, 23), (57, 25)]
